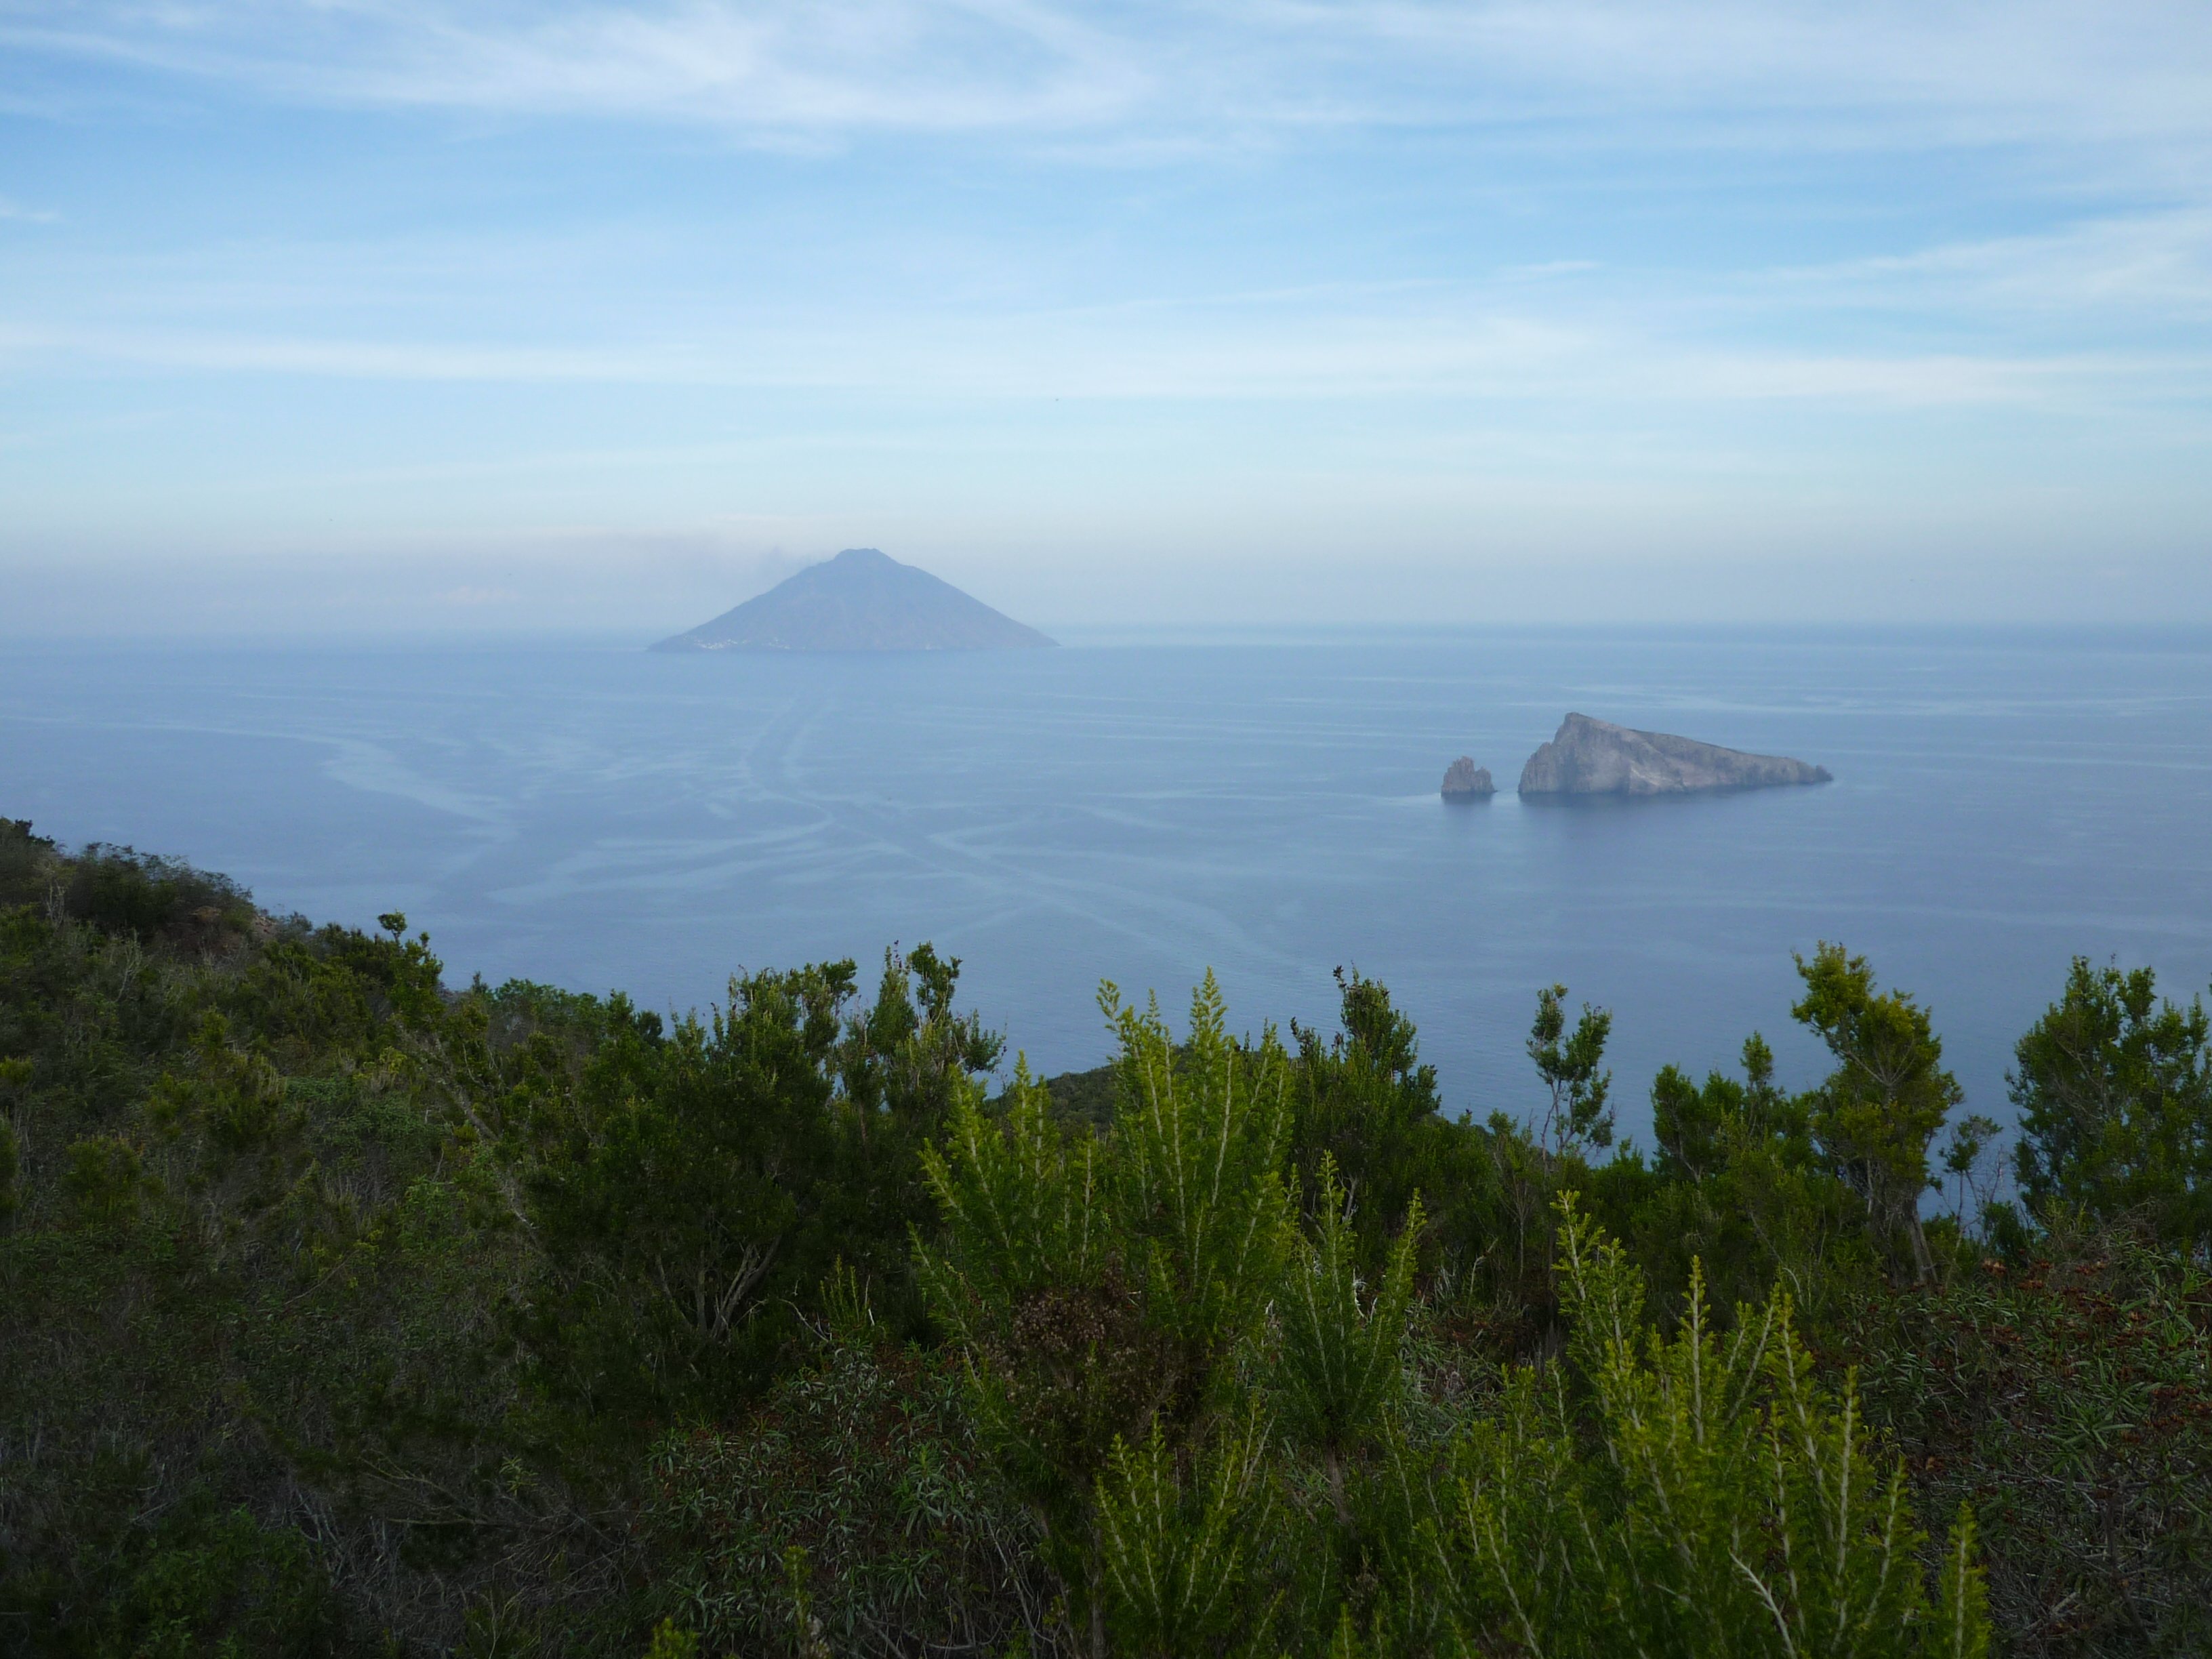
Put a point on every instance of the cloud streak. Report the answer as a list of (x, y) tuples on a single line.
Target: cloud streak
[(1494, 359), (2137, 72), (2143, 265), (1168, 276), (840, 65)]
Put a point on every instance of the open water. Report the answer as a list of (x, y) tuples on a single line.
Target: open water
[(601, 817)]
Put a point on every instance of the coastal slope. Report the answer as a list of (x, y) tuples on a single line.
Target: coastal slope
[(861, 600), (1596, 757)]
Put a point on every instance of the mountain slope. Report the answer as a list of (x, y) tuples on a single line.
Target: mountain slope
[(860, 600)]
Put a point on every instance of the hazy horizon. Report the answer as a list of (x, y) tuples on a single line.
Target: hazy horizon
[(451, 316)]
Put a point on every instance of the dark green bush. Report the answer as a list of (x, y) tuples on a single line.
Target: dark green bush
[(857, 1488), (344, 1310), (26, 863), (120, 890)]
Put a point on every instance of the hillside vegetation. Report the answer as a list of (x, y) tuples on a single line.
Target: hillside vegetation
[(345, 1310)]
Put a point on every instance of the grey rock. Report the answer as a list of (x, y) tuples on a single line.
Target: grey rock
[(860, 600), (1465, 780), (1596, 757)]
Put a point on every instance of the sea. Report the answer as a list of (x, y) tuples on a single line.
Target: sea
[(1140, 809)]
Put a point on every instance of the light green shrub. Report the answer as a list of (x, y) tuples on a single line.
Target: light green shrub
[(1698, 1495)]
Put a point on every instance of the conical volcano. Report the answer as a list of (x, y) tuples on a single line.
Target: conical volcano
[(861, 600)]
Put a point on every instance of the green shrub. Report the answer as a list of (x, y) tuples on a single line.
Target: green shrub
[(343, 1310), (12, 1169), (105, 1179), (866, 1464), (120, 890), (1697, 1495), (2067, 1396), (27, 862), (2114, 1091)]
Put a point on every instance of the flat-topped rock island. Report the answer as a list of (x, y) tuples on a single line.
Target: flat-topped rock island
[(1588, 757)]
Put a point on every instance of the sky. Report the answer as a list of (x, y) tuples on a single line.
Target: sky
[(403, 316)]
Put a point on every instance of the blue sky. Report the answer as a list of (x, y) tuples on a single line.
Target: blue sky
[(419, 314)]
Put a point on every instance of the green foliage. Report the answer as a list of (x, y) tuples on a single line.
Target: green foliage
[(199, 1580), (1340, 1363), (1177, 1553), (26, 863), (1743, 1190), (344, 1310), (119, 890), (1699, 1130), (2067, 1397), (864, 1460), (11, 1169), (1102, 1292), (690, 1188), (1196, 1181), (666, 1193), (2114, 1092), (1880, 1109), (105, 1180), (1363, 1105), (1086, 1097), (1728, 1506), (1568, 1062), (262, 1268), (1362, 1099)]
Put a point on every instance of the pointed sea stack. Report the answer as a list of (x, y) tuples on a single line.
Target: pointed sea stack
[(1596, 757), (1465, 780), (859, 601)]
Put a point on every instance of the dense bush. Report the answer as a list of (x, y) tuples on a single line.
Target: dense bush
[(343, 1310), (852, 1499), (2063, 1394)]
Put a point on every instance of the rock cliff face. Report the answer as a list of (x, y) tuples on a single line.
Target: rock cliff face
[(1465, 780), (1594, 758)]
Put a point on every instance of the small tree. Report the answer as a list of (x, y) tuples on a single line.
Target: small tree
[(2114, 1091), (1569, 1064), (1876, 1112), (1742, 1188), (1364, 1102)]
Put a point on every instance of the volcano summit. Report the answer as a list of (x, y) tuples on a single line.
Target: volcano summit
[(861, 600)]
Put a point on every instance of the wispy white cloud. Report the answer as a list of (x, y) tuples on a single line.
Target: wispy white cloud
[(1878, 72), (18, 212), (1332, 267), (1106, 357), (346, 359), (2153, 266), (829, 66), (1986, 68), (1549, 268)]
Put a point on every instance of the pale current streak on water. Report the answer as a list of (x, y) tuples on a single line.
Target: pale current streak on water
[(600, 816)]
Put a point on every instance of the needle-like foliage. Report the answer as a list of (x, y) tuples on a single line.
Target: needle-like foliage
[(1101, 1291), (1698, 1496), (1341, 1364)]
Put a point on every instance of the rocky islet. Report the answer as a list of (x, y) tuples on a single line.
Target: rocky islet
[(1588, 757), (1465, 780)]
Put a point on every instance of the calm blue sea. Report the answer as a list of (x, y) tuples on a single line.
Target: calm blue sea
[(600, 816)]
